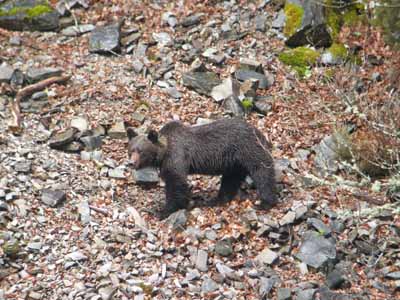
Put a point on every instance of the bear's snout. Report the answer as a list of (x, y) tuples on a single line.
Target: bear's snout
[(134, 160)]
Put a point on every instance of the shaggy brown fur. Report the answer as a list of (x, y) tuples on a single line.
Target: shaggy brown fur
[(228, 147)]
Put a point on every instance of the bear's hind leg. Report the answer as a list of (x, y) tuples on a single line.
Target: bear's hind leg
[(264, 180), (230, 184)]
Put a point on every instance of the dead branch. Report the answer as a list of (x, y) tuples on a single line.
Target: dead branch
[(15, 124)]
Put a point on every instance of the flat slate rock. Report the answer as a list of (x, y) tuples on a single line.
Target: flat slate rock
[(146, 175), (28, 19), (37, 74), (315, 250), (105, 39), (6, 73), (77, 30), (53, 197), (201, 82), (264, 81), (61, 139)]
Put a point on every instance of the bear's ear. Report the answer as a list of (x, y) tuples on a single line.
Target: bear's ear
[(153, 136), (131, 133)]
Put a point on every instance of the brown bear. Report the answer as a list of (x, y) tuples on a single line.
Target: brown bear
[(229, 147)]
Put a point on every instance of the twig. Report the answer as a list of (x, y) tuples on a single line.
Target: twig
[(15, 124), (99, 210)]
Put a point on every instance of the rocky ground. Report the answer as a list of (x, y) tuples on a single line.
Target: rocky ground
[(77, 224)]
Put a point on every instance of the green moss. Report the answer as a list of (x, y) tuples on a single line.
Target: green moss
[(338, 50), (300, 59), (247, 104), (337, 16), (30, 12), (333, 20), (294, 17)]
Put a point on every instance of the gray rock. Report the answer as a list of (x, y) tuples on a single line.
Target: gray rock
[(174, 93), (163, 38), (335, 279), (6, 73), (393, 275), (192, 274), (289, 218), (117, 131), (191, 20), (24, 166), (77, 30), (225, 270), (224, 247), (60, 139), (234, 106), (280, 20), (320, 226), (63, 5), (284, 294), (315, 250), (263, 106), (137, 65), (267, 257), (226, 89), (326, 294), (92, 142), (307, 294), (22, 21), (15, 40), (76, 256), (264, 81), (17, 78), (37, 74), (73, 147), (178, 219), (266, 285), (210, 235), (35, 246), (146, 175), (201, 82), (53, 198), (301, 211), (40, 96), (201, 260), (260, 21), (84, 212), (140, 50), (169, 18), (326, 156), (80, 123), (248, 64), (327, 58), (105, 39), (376, 76), (118, 173), (209, 285)]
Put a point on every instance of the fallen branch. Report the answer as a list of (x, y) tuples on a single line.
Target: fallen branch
[(99, 210), (15, 124)]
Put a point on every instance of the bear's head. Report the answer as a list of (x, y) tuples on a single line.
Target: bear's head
[(145, 150)]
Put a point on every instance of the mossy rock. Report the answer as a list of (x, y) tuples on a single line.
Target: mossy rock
[(11, 248), (300, 59), (30, 15), (294, 16), (247, 105), (338, 14)]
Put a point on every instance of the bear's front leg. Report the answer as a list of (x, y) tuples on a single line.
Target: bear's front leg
[(177, 192)]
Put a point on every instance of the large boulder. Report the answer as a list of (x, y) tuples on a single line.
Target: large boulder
[(306, 24), (30, 15)]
